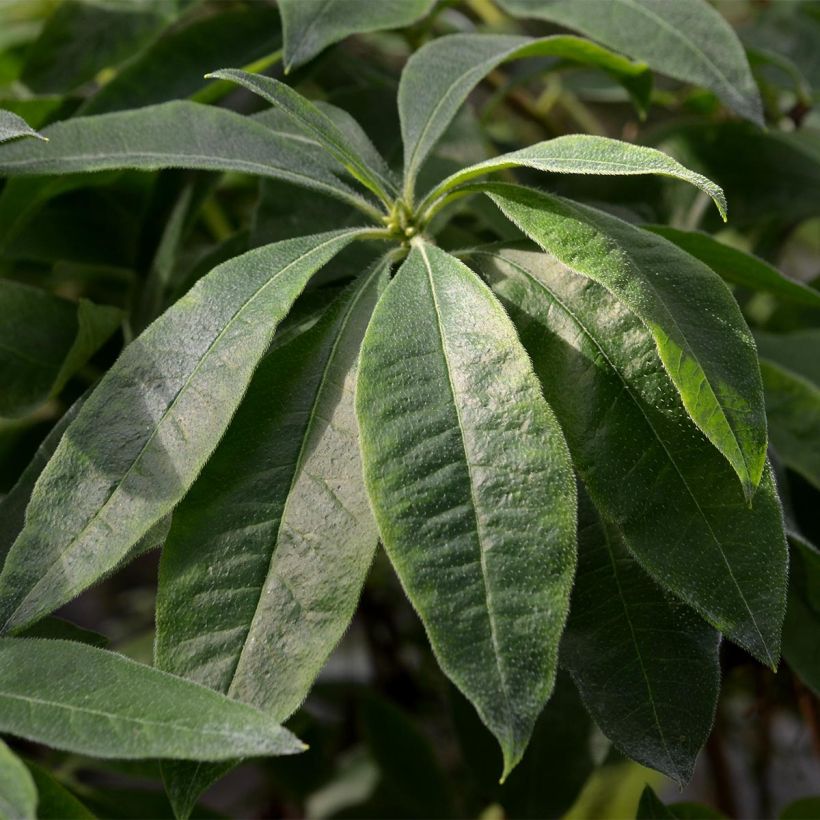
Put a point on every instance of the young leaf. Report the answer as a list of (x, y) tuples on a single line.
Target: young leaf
[(646, 665), (439, 77), (700, 333), (686, 39), (178, 135), (18, 795), (312, 25), (584, 154), (92, 701), (470, 480), (313, 121), (802, 622), (647, 468), (145, 433), (44, 340), (737, 267), (12, 126)]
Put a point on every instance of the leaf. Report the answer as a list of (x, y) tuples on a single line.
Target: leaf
[(472, 487), (583, 154), (645, 465), (800, 647), (44, 340), (313, 121), (18, 795), (312, 25), (145, 433), (687, 40), (55, 802), (737, 267), (803, 809), (57, 628), (651, 807), (647, 666), (178, 135), (81, 699), (263, 568), (12, 126), (798, 351), (699, 331), (439, 77)]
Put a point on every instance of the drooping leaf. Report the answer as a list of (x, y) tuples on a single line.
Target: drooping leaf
[(472, 488), (44, 340), (584, 154), (142, 437), (314, 122), (645, 465), (685, 39), (178, 135), (312, 25), (646, 665), (18, 795), (13, 126), (699, 331), (738, 267), (439, 77), (800, 647), (92, 701)]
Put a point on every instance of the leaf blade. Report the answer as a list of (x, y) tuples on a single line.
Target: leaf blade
[(18, 794), (13, 126)]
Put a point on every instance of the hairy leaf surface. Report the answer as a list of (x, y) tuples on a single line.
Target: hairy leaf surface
[(142, 437), (12, 126), (18, 795), (700, 333), (647, 468), (92, 701), (470, 481)]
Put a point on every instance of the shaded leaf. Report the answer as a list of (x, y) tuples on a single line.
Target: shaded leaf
[(800, 646), (59, 629), (55, 801), (18, 795), (651, 807)]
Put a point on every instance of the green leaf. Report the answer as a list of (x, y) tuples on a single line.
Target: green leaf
[(314, 122), (646, 665), (583, 154), (470, 480), (81, 699), (55, 801), (439, 77), (178, 135), (12, 126), (645, 465), (44, 340), (18, 795), (700, 333), (800, 647), (57, 628), (651, 807), (312, 25), (686, 39), (737, 267), (803, 809), (798, 352), (145, 433)]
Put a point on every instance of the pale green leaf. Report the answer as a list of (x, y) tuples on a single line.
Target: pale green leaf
[(80, 699), (145, 433), (700, 333), (18, 795), (312, 25), (470, 480), (12, 126), (439, 77), (646, 466), (684, 39)]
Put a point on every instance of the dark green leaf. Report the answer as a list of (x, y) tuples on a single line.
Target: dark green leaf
[(807, 808), (145, 433), (55, 801), (81, 699), (18, 795), (685, 39), (800, 630), (700, 333), (471, 483), (58, 629), (651, 807), (12, 126)]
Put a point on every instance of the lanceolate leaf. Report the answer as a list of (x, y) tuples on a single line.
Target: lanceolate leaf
[(12, 126), (315, 122), (646, 665), (18, 795), (439, 77), (92, 701), (802, 623), (698, 328), (470, 480), (177, 135), (585, 154), (647, 468), (685, 39), (312, 25), (142, 437), (738, 267), (44, 340)]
